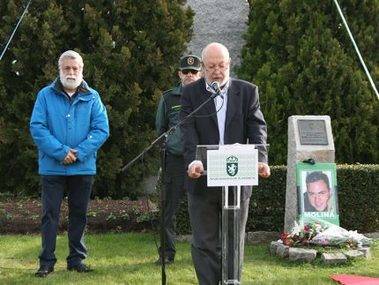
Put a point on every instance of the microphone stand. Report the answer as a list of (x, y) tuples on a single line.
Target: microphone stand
[(163, 161), (165, 134), (162, 251)]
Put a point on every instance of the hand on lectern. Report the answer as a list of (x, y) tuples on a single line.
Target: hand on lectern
[(195, 169), (263, 170)]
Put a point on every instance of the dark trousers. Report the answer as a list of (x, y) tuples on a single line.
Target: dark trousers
[(174, 192), (78, 189), (205, 217)]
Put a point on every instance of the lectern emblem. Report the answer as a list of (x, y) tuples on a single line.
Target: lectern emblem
[(232, 165)]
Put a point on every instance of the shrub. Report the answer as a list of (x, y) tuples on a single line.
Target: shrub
[(300, 56), (358, 198), (130, 51)]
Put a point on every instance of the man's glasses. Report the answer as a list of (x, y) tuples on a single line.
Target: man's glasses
[(186, 71), (221, 67)]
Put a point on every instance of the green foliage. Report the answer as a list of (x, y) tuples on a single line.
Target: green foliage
[(300, 56), (183, 225), (358, 198), (130, 51), (267, 202)]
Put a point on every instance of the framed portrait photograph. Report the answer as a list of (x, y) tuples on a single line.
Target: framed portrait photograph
[(317, 192)]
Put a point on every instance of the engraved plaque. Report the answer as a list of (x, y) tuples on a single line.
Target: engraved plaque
[(312, 132)]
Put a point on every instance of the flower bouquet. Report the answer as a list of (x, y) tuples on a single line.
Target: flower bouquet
[(301, 235), (319, 234)]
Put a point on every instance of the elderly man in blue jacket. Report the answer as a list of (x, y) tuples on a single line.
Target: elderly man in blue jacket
[(69, 123)]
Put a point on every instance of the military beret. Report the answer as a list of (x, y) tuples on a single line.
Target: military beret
[(190, 62)]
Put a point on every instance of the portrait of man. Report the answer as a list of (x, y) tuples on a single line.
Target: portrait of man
[(317, 197)]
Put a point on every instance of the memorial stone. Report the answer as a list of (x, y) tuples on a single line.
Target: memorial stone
[(309, 137)]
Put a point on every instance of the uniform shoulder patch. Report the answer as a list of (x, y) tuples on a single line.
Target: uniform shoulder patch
[(167, 91), (176, 107)]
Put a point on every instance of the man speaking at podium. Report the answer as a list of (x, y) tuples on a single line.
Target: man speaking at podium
[(234, 116)]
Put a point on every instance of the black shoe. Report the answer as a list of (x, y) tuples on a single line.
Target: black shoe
[(81, 268), (168, 260), (44, 270)]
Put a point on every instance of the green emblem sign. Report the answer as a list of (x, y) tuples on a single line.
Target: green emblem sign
[(232, 165)]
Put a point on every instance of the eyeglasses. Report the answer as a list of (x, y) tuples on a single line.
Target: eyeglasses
[(186, 71), (221, 67)]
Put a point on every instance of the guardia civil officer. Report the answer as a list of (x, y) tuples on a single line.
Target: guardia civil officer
[(166, 117)]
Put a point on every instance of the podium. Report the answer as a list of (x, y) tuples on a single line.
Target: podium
[(230, 167)]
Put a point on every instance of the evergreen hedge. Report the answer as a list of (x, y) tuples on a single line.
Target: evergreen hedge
[(358, 198), (130, 49), (299, 54)]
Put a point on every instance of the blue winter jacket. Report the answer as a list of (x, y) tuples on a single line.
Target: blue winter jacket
[(58, 124)]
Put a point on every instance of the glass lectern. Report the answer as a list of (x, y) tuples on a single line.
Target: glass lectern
[(230, 167)]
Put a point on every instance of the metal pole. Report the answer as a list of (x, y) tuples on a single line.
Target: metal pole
[(15, 29), (231, 270), (356, 49)]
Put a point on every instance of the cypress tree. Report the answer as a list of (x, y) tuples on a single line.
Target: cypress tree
[(300, 56), (130, 51)]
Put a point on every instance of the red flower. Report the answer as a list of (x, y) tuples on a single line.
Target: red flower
[(284, 235), (286, 238)]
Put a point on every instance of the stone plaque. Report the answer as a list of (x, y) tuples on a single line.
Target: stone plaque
[(312, 132)]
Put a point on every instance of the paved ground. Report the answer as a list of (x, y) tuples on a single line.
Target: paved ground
[(221, 21)]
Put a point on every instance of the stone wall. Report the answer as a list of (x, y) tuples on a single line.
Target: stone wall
[(222, 21)]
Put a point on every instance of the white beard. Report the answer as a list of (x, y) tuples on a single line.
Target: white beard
[(70, 82)]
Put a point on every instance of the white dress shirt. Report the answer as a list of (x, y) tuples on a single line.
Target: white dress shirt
[(220, 103)]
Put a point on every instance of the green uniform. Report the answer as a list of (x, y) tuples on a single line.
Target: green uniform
[(168, 116)]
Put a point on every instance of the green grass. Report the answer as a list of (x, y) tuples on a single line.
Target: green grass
[(128, 259)]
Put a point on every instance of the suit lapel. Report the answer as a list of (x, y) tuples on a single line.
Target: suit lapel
[(233, 102)]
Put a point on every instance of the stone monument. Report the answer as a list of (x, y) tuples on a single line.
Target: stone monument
[(309, 137)]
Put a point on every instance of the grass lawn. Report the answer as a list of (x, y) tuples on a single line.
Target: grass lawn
[(128, 259)]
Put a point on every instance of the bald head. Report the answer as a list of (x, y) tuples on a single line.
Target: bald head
[(216, 62), (214, 48)]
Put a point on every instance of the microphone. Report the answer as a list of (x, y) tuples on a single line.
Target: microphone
[(216, 88)]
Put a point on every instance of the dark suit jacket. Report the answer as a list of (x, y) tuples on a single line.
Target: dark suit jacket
[(244, 122)]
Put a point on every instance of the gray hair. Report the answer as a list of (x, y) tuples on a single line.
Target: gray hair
[(72, 55)]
